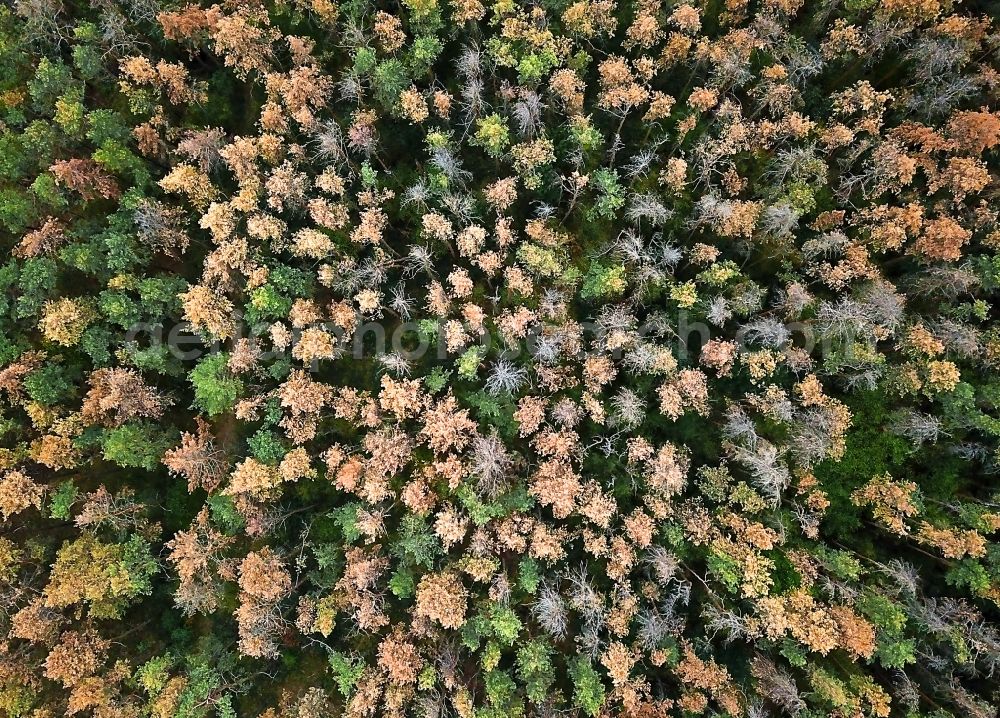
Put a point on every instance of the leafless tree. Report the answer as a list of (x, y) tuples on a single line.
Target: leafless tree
[(767, 331), (828, 245), (450, 165), (649, 207), (779, 221), (491, 464), (960, 339), (950, 282), (768, 471), (641, 163), (418, 194), (799, 163), (747, 299), (549, 609), (420, 259), (433, 704), (777, 685), (740, 427), (629, 408), (812, 434), (654, 627), (395, 363), (351, 88), (202, 146), (662, 564), (528, 113), (801, 60), (329, 142), (589, 640), (43, 19), (917, 427), (505, 377), (733, 626), (718, 311), (904, 575), (679, 595), (583, 597), (905, 690), (845, 320), (461, 205)]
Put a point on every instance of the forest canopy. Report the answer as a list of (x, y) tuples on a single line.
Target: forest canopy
[(454, 359)]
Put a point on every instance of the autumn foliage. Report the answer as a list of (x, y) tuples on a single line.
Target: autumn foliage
[(499, 360)]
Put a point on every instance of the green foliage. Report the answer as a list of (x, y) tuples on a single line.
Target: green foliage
[(425, 51), (50, 384), (215, 388), (389, 79), (402, 584), (501, 694), (840, 563), (267, 447), (542, 261), (602, 282), (119, 308), (107, 576), (870, 451), (159, 295), (505, 626), (154, 674), (14, 161), (468, 364), (203, 680), (535, 670), (492, 135), (346, 672), (267, 303), (87, 61), (972, 575), (725, 569), (118, 159), (224, 514), (884, 613), (529, 574), (15, 209), (437, 379), (138, 445), (346, 518), (52, 79), (17, 701), (62, 499), (588, 691), (415, 542), (611, 194), (70, 112), (896, 653)]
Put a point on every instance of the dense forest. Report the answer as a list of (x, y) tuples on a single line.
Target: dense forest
[(454, 359)]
